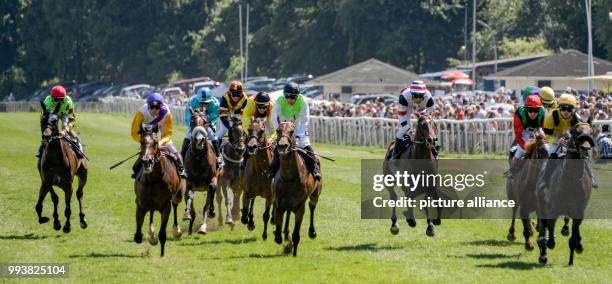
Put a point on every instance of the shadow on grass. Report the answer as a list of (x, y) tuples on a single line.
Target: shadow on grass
[(216, 242), (517, 265), (363, 247), (253, 255), (492, 256), (104, 255), (23, 237), (491, 243)]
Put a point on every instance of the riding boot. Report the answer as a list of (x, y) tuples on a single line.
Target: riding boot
[(274, 165), (513, 168), (435, 151), (311, 163), (400, 145), (217, 148), (590, 172), (184, 147), (136, 167), (179, 166)]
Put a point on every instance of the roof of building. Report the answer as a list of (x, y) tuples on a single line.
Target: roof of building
[(371, 71), (503, 61)]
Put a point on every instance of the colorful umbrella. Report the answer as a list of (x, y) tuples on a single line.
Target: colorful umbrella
[(455, 74), (463, 82)]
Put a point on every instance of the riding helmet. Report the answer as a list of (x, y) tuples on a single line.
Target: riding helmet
[(155, 99), (58, 92), (262, 98), (533, 102), (205, 95), (291, 88)]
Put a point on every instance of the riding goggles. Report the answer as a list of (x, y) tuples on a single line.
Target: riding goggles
[(533, 110), (290, 96), (566, 108)]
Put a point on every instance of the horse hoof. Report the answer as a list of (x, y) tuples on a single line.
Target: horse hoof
[(411, 223), (430, 231), (529, 246), (56, 225), (288, 248), (550, 243), (251, 226), (83, 224), (211, 214), (511, 237), (187, 216), (244, 220), (153, 240), (277, 238), (394, 230), (176, 232), (579, 248), (138, 238), (312, 234), (43, 220), (264, 236), (437, 222), (543, 259), (66, 229), (565, 231)]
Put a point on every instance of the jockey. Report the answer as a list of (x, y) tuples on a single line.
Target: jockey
[(203, 101), (547, 97), (556, 124), (414, 98), (64, 107), (293, 106), (155, 113), (232, 103), (528, 121), (258, 107)]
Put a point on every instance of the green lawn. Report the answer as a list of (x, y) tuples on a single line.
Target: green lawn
[(347, 249)]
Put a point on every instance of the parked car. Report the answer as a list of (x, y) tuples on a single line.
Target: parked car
[(172, 91), (204, 84), (139, 90), (363, 99)]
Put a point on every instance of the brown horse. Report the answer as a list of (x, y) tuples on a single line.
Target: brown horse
[(292, 186), (255, 179), (230, 173), (156, 187), (568, 192), (522, 188), (57, 167), (422, 161), (201, 167)]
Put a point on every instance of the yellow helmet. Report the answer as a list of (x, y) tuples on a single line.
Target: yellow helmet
[(547, 95), (567, 99)]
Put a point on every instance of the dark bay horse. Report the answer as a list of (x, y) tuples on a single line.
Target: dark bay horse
[(293, 185), (568, 192), (255, 179), (156, 187), (58, 166), (201, 168), (522, 188), (230, 173), (423, 161)]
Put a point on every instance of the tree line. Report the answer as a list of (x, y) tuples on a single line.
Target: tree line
[(155, 41)]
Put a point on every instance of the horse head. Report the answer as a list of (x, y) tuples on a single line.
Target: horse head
[(198, 118), (48, 123), (581, 138), (200, 137), (426, 131), (286, 137), (256, 137), (149, 148), (535, 148), (236, 134)]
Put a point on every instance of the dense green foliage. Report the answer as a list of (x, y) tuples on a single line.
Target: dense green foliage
[(154, 40)]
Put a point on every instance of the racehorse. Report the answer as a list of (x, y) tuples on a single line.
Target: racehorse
[(568, 192), (292, 186), (201, 168), (522, 188), (57, 167), (156, 186), (255, 179), (422, 161), (230, 174)]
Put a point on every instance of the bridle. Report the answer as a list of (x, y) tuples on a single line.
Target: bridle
[(423, 126), (148, 161), (235, 144)]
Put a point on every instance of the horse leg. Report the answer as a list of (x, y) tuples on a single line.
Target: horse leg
[(56, 222), (550, 244), (188, 204), (229, 219), (394, 227), (575, 243), (299, 215), (542, 241), (430, 226), (79, 195), (511, 237), (244, 211), (286, 230), (176, 230), (67, 212), (266, 217), (236, 206), (204, 227), (312, 205), (565, 229), (140, 214), (42, 193), (251, 225), (527, 233), (219, 198), (279, 224), (438, 220), (152, 238), (273, 217), (212, 188), (192, 216), (165, 215)]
